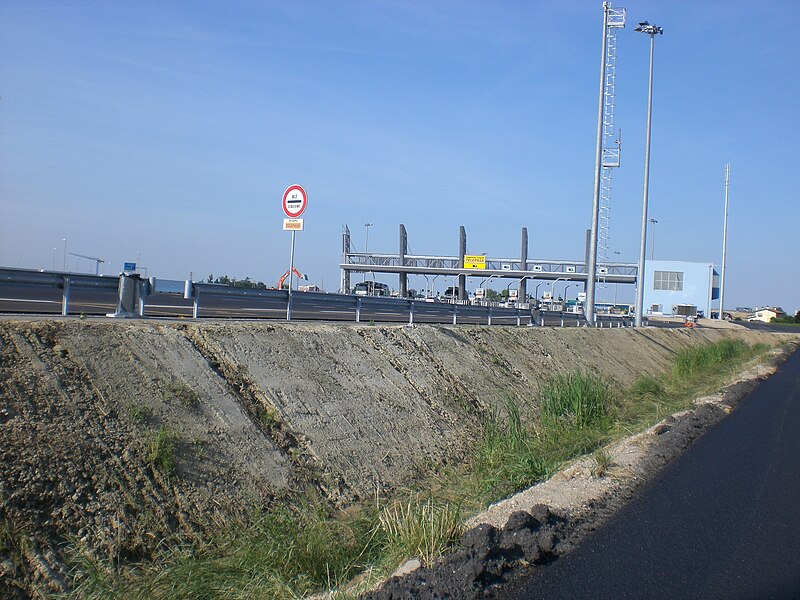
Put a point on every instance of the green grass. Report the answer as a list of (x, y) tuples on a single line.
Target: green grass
[(138, 413), (576, 399), (575, 417), (301, 545), (176, 390), (161, 450), (695, 371), (417, 526)]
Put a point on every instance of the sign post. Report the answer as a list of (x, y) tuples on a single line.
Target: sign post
[(294, 203)]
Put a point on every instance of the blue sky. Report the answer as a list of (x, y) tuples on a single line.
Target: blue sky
[(169, 130)]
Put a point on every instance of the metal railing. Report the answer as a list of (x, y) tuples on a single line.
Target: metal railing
[(346, 306)]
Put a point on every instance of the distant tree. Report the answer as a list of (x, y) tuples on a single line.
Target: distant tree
[(245, 283), (493, 296)]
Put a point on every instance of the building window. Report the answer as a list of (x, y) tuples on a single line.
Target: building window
[(671, 281)]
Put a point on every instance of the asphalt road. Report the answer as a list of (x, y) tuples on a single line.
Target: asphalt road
[(721, 521)]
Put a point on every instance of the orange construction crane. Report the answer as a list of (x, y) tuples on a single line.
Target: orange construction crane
[(286, 274)]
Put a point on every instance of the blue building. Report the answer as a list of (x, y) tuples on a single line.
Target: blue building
[(672, 287)]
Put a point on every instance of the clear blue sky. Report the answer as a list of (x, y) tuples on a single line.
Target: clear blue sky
[(168, 131)]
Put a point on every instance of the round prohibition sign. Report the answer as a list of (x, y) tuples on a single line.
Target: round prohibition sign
[(294, 201)]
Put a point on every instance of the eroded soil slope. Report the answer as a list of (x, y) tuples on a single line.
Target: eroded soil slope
[(114, 435)]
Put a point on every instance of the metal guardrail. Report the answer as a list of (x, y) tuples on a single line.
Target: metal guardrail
[(407, 310), (67, 282)]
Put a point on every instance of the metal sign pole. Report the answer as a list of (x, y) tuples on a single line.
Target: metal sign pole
[(291, 280)]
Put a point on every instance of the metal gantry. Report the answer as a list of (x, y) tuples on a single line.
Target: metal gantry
[(546, 270)]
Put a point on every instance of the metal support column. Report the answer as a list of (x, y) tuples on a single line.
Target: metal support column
[(522, 292), (462, 251), (403, 251), (344, 287)]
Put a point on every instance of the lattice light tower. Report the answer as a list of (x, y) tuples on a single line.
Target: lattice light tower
[(608, 153)]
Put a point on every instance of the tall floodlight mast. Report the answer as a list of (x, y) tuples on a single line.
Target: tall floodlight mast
[(721, 314), (608, 152), (652, 31)]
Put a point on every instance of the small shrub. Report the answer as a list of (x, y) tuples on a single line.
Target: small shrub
[(161, 450), (580, 400), (180, 392), (268, 418), (647, 387), (138, 413), (418, 527), (602, 463), (198, 445)]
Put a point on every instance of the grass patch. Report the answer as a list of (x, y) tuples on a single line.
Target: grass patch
[(602, 463), (695, 371), (138, 413), (161, 450), (176, 390), (420, 527), (577, 399), (575, 416)]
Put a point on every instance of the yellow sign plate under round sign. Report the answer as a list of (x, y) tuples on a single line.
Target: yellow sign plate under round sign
[(293, 224), (475, 262)]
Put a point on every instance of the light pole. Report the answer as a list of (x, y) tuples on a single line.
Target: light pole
[(54, 258), (652, 238), (721, 314), (366, 244), (519, 283), (553, 287), (652, 31), (65, 254), (484, 285)]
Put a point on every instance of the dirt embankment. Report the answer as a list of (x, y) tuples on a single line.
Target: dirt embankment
[(93, 413)]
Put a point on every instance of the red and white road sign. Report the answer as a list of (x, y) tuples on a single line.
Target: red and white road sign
[(294, 201)]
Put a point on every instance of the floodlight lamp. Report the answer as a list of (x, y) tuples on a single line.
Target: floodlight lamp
[(645, 27)]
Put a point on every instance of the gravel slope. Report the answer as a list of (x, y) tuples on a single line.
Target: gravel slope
[(253, 410)]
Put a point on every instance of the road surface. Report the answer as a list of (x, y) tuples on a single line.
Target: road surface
[(721, 521)]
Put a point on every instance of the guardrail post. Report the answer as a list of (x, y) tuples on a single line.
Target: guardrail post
[(142, 291), (541, 319), (519, 321), (196, 304), (128, 305), (358, 309), (490, 315), (411, 312), (455, 314), (65, 298), (562, 319)]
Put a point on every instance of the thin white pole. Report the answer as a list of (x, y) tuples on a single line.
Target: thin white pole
[(724, 245), (640, 282), (291, 281)]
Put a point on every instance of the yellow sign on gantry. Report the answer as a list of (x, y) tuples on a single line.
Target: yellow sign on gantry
[(475, 262)]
